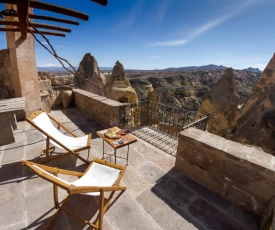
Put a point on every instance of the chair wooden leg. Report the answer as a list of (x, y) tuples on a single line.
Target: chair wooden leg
[(101, 210), (47, 149), (88, 154), (58, 212), (55, 193)]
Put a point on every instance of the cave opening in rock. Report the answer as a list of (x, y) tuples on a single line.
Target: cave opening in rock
[(123, 100)]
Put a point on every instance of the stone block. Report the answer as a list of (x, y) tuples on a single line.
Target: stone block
[(137, 185), (212, 181), (125, 208), (225, 166), (6, 136), (167, 214), (11, 197), (248, 200), (12, 155)]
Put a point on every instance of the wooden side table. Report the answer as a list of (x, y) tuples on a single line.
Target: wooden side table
[(127, 140)]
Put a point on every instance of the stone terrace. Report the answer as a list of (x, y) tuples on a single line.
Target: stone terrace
[(157, 196)]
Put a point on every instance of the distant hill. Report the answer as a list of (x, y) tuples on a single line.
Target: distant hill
[(54, 69), (254, 70), (194, 68), (57, 69)]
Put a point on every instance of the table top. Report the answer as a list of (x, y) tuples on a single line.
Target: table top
[(127, 138)]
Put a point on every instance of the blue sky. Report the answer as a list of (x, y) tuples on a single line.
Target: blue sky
[(153, 34)]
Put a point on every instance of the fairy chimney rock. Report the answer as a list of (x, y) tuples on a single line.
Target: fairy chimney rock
[(119, 87), (256, 122), (88, 75), (221, 104)]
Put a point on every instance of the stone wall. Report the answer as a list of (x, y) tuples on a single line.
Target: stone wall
[(6, 87), (100, 108), (23, 67), (240, 173)]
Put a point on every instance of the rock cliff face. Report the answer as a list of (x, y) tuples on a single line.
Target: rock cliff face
[(89, 77), (221, 104), (119, 87), (51, 86), (188, 89), (256, 122)]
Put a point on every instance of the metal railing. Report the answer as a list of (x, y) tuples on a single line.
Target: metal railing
[(160, 117), (160, 124)]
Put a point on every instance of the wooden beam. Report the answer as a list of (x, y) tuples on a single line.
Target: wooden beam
[(22, 9), (8, 1), (102, 2), (57, 9), (7, 22), (36, 25), (54, 19), (45, 26), (9, 29), (42, 17), (35, 32), (48, 33)]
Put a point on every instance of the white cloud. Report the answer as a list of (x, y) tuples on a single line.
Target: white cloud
[(168, 43)]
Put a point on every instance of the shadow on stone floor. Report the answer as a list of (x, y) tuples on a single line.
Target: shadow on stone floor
[(83, 206), (80, 120), (201, 207)]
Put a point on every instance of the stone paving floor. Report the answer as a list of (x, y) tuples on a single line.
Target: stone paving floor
[(157, 196)]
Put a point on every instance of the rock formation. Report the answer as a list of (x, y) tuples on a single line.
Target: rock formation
[(51, 86), (256, 122), (187, 89), (221, 104), (119, 87), (89, 77), (152, 95)]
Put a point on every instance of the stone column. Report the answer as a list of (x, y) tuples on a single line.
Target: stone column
[(23, 68)]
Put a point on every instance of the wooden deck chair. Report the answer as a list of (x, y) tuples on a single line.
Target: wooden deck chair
[(72, 144), (99, 177)]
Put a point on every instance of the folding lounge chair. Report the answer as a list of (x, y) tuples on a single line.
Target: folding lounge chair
[(99, 177), (73, 144)]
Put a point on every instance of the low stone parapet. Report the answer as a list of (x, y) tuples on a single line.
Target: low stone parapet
[(243, 174), (104, 110), (11, 111)]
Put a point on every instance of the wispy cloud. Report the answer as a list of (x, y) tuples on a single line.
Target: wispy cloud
[(230, 13), (154, 56), (218, 21), (161, 10), (126, 21), (168, 43), (65, 47)]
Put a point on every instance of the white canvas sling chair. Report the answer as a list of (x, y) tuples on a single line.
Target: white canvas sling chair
[(99, 177), (43, 122)]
